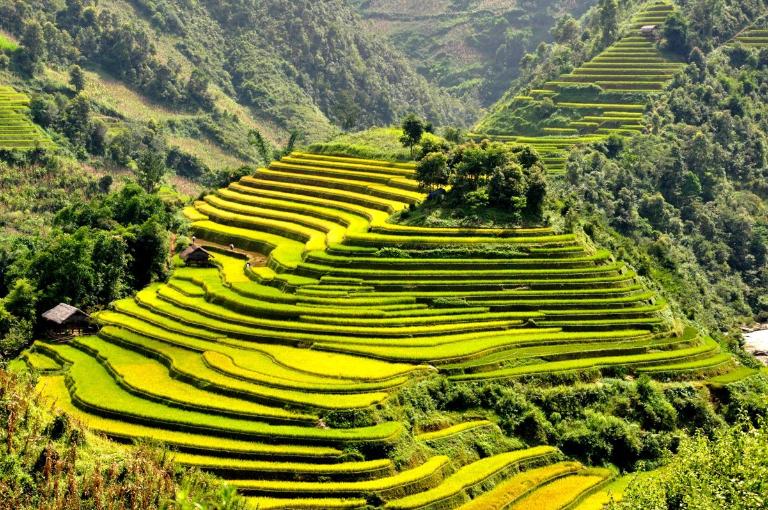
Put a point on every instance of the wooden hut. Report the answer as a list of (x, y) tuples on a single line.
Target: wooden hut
[(196, 255), (649, 31), (66, 321)]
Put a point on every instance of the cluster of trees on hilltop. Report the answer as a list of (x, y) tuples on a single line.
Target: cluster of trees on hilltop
[(510, 178), (692, 192)]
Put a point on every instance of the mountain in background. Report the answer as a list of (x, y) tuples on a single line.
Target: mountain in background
[(215, 68), (470, 48)]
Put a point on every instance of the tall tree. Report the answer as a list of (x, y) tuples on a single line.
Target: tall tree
[(261, 145), (77, 78), (150, 169), (413, 131), (609, 21)]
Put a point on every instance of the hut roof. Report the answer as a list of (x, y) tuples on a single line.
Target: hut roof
[(64, 313), (648, 28), (195, 252)]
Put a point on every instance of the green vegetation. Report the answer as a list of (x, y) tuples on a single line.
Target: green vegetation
[(470, 48), (696, 216), (456, 330), (469, 476), (58, 462), (565, 491), (727, 469), (558, 114)]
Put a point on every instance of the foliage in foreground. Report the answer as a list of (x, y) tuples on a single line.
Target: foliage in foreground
[(47, 460), (727, 471)]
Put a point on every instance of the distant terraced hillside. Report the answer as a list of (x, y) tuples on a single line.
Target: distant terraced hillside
[(16, 129), (754, 36), (471, 48), (604, 96), (240, 365)]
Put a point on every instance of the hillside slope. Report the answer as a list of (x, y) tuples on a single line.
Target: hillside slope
[(471, 48), (286, 65)]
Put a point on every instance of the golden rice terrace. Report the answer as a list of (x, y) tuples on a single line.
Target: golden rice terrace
[(237, 364)]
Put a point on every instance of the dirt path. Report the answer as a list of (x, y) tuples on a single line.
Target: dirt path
[(255, 258)]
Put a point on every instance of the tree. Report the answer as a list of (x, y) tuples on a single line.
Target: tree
[(566, 31), (536, 193), (150, 169), (105, 183), (506, 189), (77, 78), (413, 131), (432, 170), (453, 135), (261, 145), (197, 89), (76, 123), (526, 155), (725, 471), (675, 33), (148, 247), (609, 21), (21, 301), (291, 143), (33, 50)]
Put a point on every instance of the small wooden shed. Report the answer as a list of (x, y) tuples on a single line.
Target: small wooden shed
[(648, 30), (66, 321), (196, 255)]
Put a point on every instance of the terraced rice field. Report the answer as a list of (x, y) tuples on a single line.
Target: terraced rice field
[(753, 37), (623, 76), (237, 366), (17, 132)]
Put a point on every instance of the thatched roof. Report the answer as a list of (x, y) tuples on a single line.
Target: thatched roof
[(64, 313), (195, 252)]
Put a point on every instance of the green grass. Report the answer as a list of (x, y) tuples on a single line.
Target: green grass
[(732, 376), (264, 386), (376, 143), (297, 361), (362, 174), (6, 44), (16, 130), (654, 358), (149, 378), (40, 362), (612, 491), (440, 353)]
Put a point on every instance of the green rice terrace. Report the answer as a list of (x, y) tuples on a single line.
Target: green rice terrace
[(324, 307), (605, 96), (753, 37), (16, 130)]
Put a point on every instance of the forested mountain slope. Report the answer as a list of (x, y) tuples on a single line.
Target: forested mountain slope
[(472, 48), (286, 65)]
